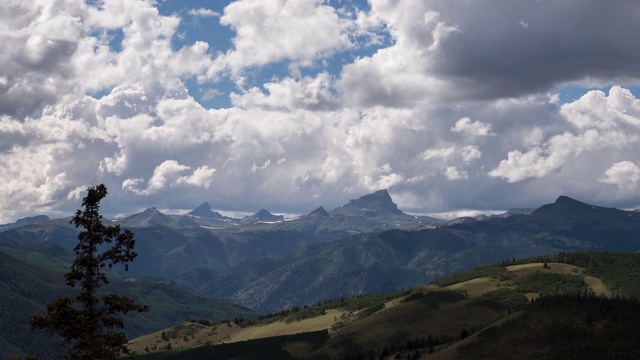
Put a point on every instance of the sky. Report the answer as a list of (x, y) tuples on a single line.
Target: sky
[(455, 107)]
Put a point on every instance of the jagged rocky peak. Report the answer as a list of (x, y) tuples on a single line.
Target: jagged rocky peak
[(204, 210), (262, 215), (319, 212), (155, 214), (379, 202), (380, 198)]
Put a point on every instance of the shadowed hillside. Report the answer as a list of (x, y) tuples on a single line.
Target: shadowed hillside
[(551, 304), (274, 264), (32, 277)]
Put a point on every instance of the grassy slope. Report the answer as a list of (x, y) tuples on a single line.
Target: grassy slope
[(316, 318), (492, 293), (190, 334), (588, 328)]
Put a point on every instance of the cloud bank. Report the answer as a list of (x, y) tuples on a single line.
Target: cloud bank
[(452, 106)]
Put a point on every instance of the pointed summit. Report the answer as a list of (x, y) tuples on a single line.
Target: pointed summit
[(319, 212), (565, 200), (566, 206), (204, 210), (149, 217), (378, 203), (562, 204), (262, 215)]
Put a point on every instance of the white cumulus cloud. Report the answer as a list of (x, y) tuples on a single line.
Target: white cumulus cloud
[(474, 128), (453, 173), (306, 103), (268, 31), (624, 175), (169, 175)]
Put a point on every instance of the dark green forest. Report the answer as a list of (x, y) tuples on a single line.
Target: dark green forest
[(619, 271), (564, 327)]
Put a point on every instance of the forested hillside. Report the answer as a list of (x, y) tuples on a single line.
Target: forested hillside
[(568, 305), (31, 277), (274, 265)]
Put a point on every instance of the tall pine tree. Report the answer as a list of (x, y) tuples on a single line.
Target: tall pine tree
[(88, 323)]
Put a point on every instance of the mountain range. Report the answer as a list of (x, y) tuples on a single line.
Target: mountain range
[(372, 212), (269, 263)]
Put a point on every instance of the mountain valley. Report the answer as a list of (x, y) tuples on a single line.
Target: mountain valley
[(270, 264), (557, 307)]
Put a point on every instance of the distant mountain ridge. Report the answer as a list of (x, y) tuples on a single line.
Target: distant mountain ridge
[(395, 259), (564, 205), (24, 221), (371, 212), (518, 211), (365, 246), (375, 205)]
